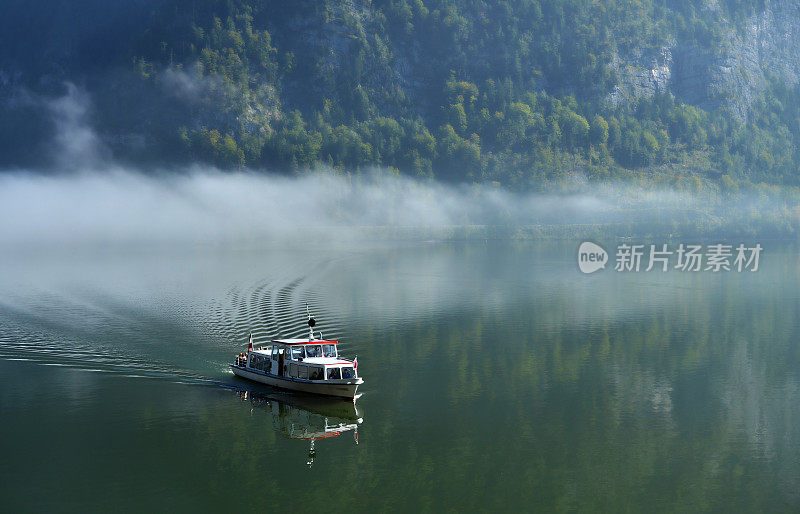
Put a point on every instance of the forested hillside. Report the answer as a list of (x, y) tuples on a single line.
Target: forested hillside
[(522, 93)]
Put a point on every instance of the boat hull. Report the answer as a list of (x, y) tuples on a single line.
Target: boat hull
[(333, 389)]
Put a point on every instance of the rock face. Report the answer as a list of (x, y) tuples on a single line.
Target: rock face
[(642, 74), (730, 74)]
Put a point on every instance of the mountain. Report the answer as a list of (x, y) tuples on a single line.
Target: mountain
[(523, 93)]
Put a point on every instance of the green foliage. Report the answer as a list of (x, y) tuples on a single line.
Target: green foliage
[(599, 130), (513, 91), (214, 147)]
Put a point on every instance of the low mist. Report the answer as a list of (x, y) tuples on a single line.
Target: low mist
[(91, 198), (203, 204)]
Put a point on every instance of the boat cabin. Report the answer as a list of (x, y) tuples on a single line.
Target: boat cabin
[(302, 359)]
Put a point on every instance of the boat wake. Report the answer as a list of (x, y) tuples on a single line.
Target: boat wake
[(181, 337), (271, 308)]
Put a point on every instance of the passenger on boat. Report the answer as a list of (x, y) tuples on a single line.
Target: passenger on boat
[(298, 353)]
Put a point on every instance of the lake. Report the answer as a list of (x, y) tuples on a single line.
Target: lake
[(497, 376)]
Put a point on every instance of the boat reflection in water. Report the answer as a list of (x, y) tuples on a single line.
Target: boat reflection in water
[(307, 418)]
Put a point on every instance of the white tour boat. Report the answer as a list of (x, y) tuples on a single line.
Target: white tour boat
[(308, 365)]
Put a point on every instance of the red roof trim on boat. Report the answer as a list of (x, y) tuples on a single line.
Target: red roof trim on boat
[(278, 341)]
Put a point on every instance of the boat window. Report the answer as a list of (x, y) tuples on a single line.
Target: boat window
[(303, 371), (315, 373), (313, 350), (329, 349), (348, 372), (298, 353), (274, 353), (334, 374), (293, 370)]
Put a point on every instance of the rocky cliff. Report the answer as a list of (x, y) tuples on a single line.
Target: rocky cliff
[(731, 71)]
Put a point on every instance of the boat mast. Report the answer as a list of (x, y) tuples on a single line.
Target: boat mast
[(311, 323)]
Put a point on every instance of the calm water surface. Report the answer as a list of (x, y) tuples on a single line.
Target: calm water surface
[(497, 377)]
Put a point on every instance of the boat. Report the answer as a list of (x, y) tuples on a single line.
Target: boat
[(311, 365)]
